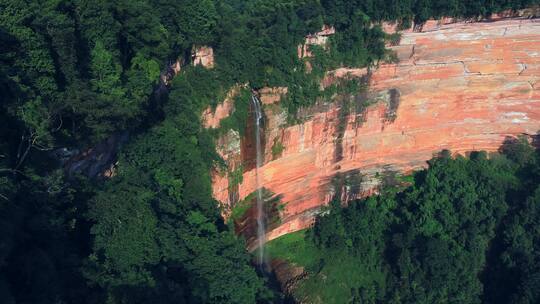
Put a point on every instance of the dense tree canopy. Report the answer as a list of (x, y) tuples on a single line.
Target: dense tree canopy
[(74, 73), (464, 231)]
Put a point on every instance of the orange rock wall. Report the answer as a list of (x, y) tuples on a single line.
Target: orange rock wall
[(212, 117), (462, 87)]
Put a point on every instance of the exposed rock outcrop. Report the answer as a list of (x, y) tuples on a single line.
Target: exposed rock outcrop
[(171, 71), (203, 55), (211, 117), (460, 86), (288, 275), (99, 161), (271, 95), (319, 38), (434, 25)]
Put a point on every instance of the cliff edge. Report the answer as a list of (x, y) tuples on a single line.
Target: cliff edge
[(458, 86)]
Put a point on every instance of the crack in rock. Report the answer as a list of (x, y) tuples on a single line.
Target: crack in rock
[(412, 51), (465, 69), (523, 68)]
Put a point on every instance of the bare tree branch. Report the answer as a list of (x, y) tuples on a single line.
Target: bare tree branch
[(59, 126), (11, 170), (23, 157), (19, 148), (42, 148)]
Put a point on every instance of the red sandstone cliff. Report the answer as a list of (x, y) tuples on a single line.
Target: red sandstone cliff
[(461, 86)]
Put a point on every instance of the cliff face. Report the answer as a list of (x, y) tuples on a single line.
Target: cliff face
[(202, 55), (460, 86)]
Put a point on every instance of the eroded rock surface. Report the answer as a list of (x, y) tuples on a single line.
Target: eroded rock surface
[(212, 117), (99, 161), (288, 275), (203, 55), (319, 38), (271, 95), (460, 86)]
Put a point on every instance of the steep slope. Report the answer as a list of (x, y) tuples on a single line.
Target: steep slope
[(458, 86)]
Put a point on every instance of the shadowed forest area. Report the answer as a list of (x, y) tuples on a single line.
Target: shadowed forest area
[(77, 76)]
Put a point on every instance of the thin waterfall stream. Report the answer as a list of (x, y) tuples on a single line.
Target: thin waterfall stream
[(261, 216)]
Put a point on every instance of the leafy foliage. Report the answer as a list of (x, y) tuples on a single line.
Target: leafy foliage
[(73, 73), (465, 231)]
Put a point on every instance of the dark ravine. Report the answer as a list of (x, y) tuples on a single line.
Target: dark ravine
[(99, 161)]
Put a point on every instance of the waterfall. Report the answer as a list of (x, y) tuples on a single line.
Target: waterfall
[(261, 217)]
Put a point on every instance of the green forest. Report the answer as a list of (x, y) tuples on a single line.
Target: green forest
[(77, 76), (465, 230)]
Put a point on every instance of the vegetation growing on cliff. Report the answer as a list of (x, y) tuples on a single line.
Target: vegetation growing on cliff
[(465, 231), (277, 148), (73, 73)]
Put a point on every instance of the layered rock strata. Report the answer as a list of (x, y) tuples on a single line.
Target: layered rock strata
[(459, 86)]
